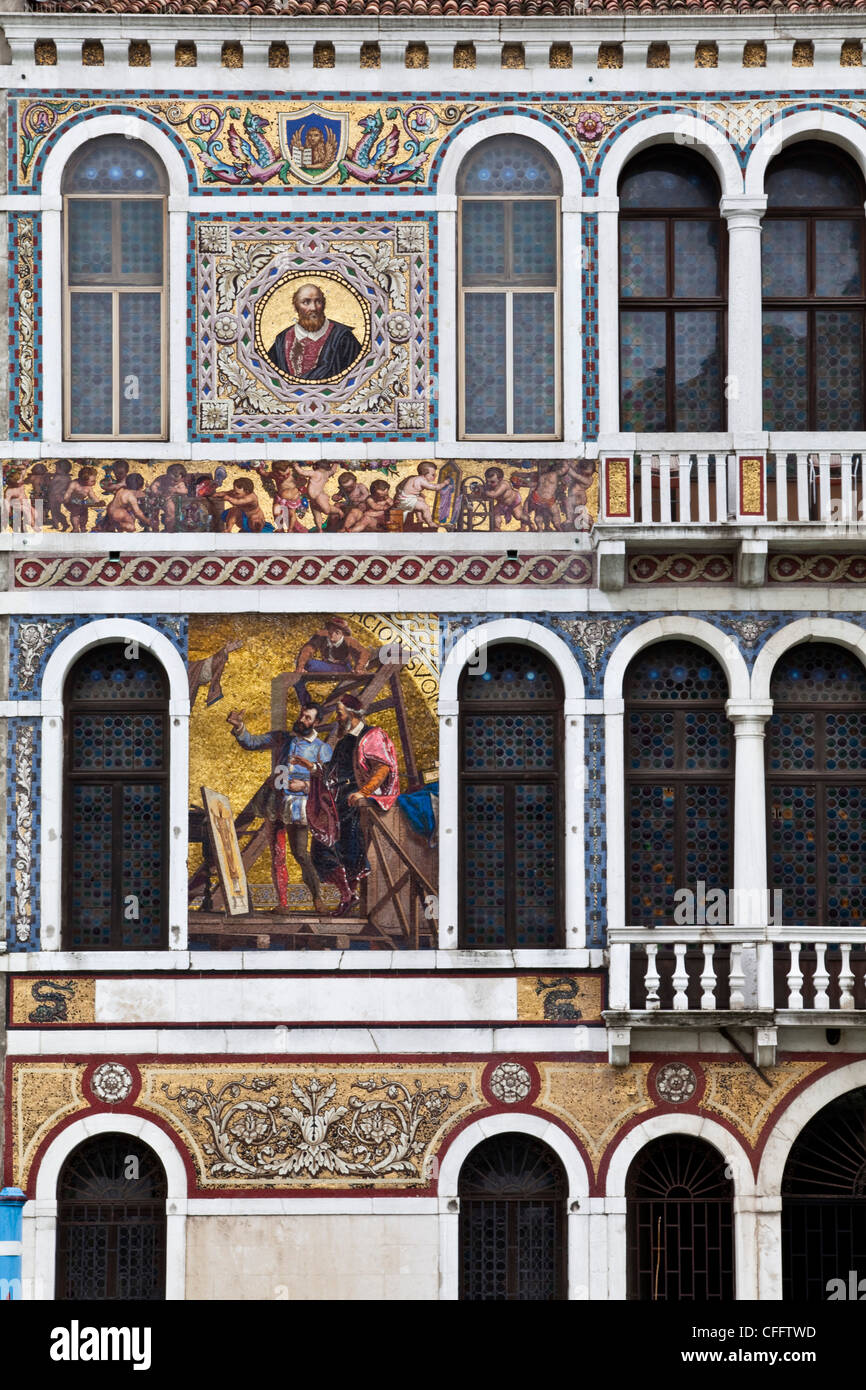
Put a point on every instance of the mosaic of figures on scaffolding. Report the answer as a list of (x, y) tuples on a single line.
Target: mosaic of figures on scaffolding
[(282, 495), (313, 781)]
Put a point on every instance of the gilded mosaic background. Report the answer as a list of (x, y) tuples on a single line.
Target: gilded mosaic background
[(325, 836), (357, 496)]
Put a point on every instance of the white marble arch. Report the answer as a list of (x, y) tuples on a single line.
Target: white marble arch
[(739, 1170), (787, 1129), (446, 186), (134, 128), (687, 132), (465, 650), (843, 131), (838, 630), (727, 653), (40, 1214), (556, 1138), (67, 652)]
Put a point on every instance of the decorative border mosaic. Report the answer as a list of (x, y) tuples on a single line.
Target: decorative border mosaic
[(147, 571), (25, 313), (589, 302), (23, 832), (32, 641), (382, 270), (394, 144)]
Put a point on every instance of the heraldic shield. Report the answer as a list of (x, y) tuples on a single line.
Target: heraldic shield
[(314, 141)]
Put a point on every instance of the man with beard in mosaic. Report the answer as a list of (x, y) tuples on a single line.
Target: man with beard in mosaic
[(364, 765), (316, 347)]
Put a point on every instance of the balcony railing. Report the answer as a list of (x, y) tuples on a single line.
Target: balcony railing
[(674, 970), (711, 489)]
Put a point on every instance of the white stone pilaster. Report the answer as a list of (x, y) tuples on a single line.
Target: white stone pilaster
[(743, 214)]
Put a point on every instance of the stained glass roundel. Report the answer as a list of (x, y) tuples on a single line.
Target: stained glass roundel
[(108, 673), (510, 672), (509, 164), (114, 164), (818, 673)]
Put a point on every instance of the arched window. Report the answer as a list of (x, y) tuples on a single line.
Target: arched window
[(816, 785), (812, 253), (114, 203), (824, 1202), (512, 1222), (680, 1219), (509, 189), (116, 801), (679, 779), (511, 801), (672, 277), (111, 1222)]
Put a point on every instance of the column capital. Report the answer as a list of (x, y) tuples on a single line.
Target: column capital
[(743, 713), (743, 209)]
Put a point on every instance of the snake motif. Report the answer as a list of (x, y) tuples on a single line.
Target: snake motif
[(55, 1011), (557, 1004)]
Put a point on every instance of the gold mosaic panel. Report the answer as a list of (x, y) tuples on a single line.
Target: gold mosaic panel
[(658, 55), (232, 55), (42, 1095), (371, 55), (560, 55), (185, 55), (92, 55), (734, 1091), (706, 55), (323, 55), (513, 55), (755, 54), (803, 55), (595, 1099), (417, 55), (52, 999), (610, 55), (344, 1125), (751, 484), (555, 997), (852, 54), (45, 53), (464, 55), (139, 53), (278, 55)]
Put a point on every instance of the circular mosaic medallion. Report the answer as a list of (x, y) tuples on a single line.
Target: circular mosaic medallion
[(111, 1083), (510, 1082), (399, 327), (225, 328), (676, 1083)]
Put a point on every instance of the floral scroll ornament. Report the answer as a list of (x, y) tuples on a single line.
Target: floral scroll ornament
[(255, 1134), (23, 831), (34, 639), (26, 325)]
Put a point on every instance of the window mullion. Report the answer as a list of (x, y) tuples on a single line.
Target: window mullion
[(509, 361)]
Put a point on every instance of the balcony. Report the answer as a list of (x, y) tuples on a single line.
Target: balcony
[(744, 977)]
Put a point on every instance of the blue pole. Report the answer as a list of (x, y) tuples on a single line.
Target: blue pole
[(12, 1200)]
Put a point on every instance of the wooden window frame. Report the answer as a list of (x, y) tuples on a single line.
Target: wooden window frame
[(115, 285), (509, 285), (670, 304), (509, 779), (117, 779), (811, 304)]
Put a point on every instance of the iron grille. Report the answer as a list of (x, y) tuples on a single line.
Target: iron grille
[(680, 1223)]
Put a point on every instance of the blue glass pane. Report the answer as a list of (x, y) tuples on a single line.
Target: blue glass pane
[(652, 850), (707, 816), (509, 164), (794, 850), (510, 742), (697, 345), (534, 239), (846, 853), (642, 263), (141, 238), (89, 238), (839, 359), (783, 257), (535, 864), (485, 373), (89, 868), (509, 672), (107, 673), (140, 363), (141, 863), (837, 256), (484, 871), (696, 259), (90, 364), (785, 383), (669, 180), (807, 179), (534, 364), (642, 368), (483, 228), (113, 164), (675, 671)]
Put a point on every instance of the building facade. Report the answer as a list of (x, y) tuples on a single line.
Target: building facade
[(467, 899)]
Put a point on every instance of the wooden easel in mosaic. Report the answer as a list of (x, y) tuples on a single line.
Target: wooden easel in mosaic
[(400, 895)]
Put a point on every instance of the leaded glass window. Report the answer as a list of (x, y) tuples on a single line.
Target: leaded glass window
[(116, 801), (816, 786), (679, 779), (115, 277), (509, 191), (814, 291), (512, 1222), (111, 1222), (672, 254), (511, 801)]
